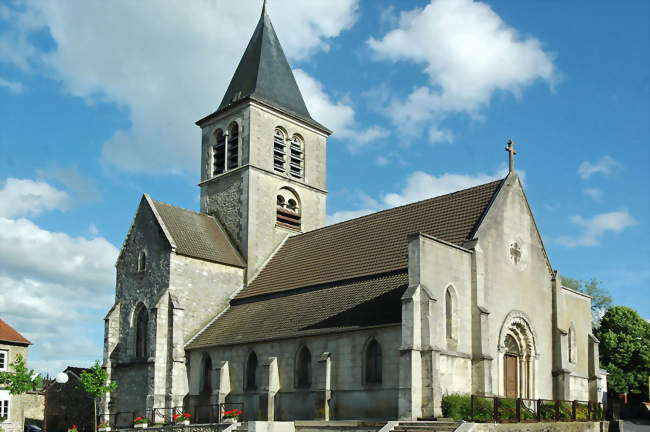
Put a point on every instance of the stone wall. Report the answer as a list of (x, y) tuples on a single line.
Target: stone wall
[(537, 427), (67, 406), (513, 282), (351, 398)]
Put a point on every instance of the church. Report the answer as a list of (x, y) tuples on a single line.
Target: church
[(253, 300)]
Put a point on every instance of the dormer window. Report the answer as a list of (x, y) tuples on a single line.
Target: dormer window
[(279, 151), (287, 209), (297, 157)]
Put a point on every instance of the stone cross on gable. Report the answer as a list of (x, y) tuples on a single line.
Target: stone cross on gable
[(515, 252), (511, 149)]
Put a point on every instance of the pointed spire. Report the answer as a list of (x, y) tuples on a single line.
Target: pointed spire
[(264, 73)]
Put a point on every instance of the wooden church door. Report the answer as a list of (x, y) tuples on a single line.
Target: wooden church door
[(510, 375)]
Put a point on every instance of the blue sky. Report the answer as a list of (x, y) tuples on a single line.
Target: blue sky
[(98, 102)]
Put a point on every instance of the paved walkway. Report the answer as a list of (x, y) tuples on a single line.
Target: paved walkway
[(636, 426)]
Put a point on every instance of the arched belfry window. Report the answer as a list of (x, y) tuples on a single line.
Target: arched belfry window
[(219, 153), (279, 150), (142, 261), (250, 380), (373, 362), (141, 334), (449, 315), (206, 375), (297, 157), (303, 368), (233, 146), (287, 209)]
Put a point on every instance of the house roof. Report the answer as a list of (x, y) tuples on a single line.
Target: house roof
[(197, 235), (264, 74), (347, 305), (77, 371), (9, 334), (371, 244)]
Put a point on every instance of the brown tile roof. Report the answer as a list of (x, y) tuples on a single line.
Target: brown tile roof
[(335, 307), (8, 334), (198, 235), (371, 244)]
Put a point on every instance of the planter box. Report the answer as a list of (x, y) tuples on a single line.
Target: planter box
[(229, 421), (104, 429), (141, 425), (183, 423)]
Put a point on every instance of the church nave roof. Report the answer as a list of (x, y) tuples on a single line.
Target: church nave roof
[(372, 244)]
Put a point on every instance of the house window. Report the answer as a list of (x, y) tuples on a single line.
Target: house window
[(279, 151), (448, 315), (142, 261), (303, 369), (219, 154), (287, 209), (373, 362), (4, 359), (251, 372), (141, 336), (206, 375), (5, 398), (297, 157), (233, 146)]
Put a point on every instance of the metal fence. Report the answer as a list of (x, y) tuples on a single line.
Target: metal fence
[(117, 420), (214, 413), (507, 410)]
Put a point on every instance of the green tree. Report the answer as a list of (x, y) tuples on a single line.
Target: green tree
[(625, 350), (600, 298), (21, 380), (95, 383)]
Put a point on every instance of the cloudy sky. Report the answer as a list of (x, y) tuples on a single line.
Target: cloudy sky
[(98, 102)]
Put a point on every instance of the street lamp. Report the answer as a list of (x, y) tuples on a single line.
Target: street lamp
[(61, 378)]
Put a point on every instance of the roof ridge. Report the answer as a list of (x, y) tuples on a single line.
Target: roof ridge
[(395, 208), (180, 208), (318, 286)]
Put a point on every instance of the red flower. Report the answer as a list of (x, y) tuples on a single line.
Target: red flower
[(187, 415)]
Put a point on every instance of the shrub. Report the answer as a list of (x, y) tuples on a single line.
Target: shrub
[(459, 407)]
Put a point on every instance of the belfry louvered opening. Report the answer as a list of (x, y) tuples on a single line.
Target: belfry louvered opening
[(233, 146), (297, 157), (279, 151), (287, 209), (219, 154)]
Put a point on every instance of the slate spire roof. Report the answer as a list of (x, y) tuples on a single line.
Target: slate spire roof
[(264, 74)]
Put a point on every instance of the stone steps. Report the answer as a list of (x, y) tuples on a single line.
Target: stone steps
[(443, 425)]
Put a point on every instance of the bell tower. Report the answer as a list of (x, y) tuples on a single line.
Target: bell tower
[(263, 158)]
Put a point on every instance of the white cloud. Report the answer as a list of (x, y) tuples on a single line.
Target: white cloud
[(418, 186), (468, 53), (83, 188), (606, 166), (54, 288), (12, 86), (594, 194), (337, 116), (595, 227), (169, 71), (27, 197)]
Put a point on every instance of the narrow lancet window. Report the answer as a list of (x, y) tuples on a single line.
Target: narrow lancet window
[(233, 147), (287, 209), (251, 372), (206, 375), (303, 369), (142, 261), (448, 315), (279, 151), (373, 362), (297, 157), (219, 154), (141, 336)]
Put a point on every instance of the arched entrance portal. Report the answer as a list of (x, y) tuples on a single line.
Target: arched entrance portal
[(517, 357)]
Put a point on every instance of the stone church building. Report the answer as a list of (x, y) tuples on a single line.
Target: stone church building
[(253, 299)]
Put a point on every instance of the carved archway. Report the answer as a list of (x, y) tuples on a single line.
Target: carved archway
[(517, 358)]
